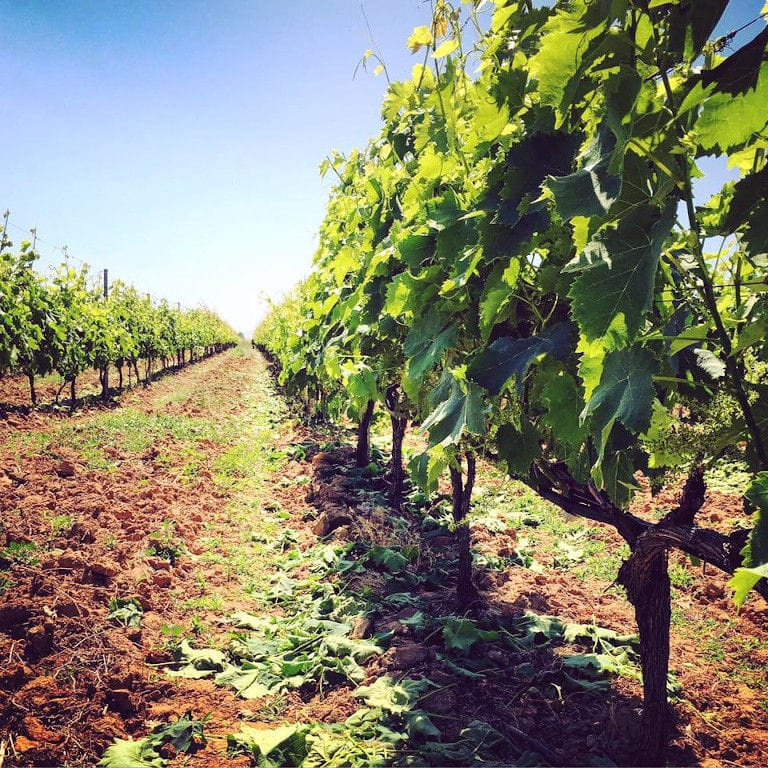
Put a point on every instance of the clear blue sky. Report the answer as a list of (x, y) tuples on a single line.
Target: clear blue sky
[(176, 142)]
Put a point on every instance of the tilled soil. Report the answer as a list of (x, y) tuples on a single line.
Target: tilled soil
[(79, 530)]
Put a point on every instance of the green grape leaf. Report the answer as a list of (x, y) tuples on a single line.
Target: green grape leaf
[(425, 344), (565, 401), (738, 73), (460, 635), (756, 232), (392, 697), (286, 743), (565, 47), (620, 94), (689, 31), (592, 190), (184, 734), (425, 468), (461, 411), (748, 191), (419, 725), (755, 551), (618, 273), (727, 122), (509, 358), (519, 448), (198, 662), (416, 249), (744, 579), (126, 753), (616, 475), (514, 186), (245, 679), (625, 393)]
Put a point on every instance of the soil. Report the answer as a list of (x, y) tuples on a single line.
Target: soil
[(75, 535)]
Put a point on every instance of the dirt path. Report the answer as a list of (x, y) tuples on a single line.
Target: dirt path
[(155, 500), (158, 557)]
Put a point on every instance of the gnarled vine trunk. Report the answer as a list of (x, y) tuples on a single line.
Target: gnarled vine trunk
[(363, 451), (104, 380), (466, 592), (396, 469), (644, 574), (646, 580), (399, 426), (32, 392)]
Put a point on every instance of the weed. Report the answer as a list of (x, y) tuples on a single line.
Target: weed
[(272, 708), (125, 611), (199, 627), (680, 576), (19, 553), (165, 544), (61, 523), (203, 603), (173, 631)]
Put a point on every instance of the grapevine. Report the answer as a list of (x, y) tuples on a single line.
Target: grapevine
[(520, 255)]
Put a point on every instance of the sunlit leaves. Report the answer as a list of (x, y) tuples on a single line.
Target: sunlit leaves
[(728, 122), (618, 273), (565, 44), (542, 193), (420, 37), (445, 48)]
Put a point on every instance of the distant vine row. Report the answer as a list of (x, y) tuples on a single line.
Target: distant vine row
[(64, 325)]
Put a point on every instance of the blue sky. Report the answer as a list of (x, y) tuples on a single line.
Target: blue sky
[(176, 143)]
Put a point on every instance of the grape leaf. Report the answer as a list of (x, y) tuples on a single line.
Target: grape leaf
[(618, 273), (565, 45), (748, 191), (246, 679), (755, 551), (625, 393), (126, 753), (509, 358), (690, 29), (460, 411), (592, 190), (428, 338), (727, 122), (564, 400), (738, 73), (287, 743), (744, 579), (518, 447), (393, 697)]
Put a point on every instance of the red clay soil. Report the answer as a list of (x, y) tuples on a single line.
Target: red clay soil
[(71, 681)]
